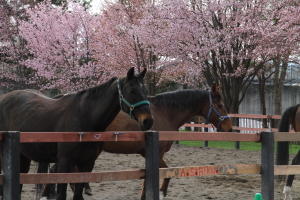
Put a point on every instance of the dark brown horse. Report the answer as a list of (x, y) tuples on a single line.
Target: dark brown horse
[(88, 110), (170, 111), (290, 117)]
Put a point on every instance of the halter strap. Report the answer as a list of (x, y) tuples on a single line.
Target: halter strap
[(131, 106), (211, 109)]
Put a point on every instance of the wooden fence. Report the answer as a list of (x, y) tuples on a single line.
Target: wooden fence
[(11, 177), (248, 123)]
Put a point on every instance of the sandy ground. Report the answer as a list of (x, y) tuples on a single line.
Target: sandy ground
[(194, 188)]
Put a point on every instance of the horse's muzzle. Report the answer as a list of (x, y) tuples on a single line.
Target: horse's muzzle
[(145, 121), (147, 124)]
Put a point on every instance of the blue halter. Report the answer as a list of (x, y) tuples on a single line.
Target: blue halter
[(221, 117), (131, 106)]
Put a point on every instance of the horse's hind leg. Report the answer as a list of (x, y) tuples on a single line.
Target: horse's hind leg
[(290, 179), (87, 188), (166, 181), (165, 184), (42, 168), (24, 166), (49, 190)]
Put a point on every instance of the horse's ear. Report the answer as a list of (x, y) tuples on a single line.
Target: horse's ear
[(130, 73), (215, 89), (143, 73)]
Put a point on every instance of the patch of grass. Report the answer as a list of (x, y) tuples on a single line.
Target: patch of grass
[(249, 146)]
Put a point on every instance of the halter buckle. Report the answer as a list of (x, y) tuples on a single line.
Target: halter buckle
[(131, 108)]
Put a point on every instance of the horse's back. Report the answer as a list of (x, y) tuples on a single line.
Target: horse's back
[(21, 108)]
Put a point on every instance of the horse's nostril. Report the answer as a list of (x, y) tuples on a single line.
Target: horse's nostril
[(147, 124)]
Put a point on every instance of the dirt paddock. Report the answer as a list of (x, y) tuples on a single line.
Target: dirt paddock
[(193, 188)]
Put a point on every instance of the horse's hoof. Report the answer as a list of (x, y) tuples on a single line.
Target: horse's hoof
[(287, 191), (81, 198), (88, 192), (72, 186), (48, 198), (161, 195)]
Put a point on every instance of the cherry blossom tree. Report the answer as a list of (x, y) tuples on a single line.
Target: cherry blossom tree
[(227, 42), (288, 43), (13, 74), (121, 46), (60, 41), (72, 48), (218, 41)]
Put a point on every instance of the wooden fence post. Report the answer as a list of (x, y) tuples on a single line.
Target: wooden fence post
[(11, 166), (152, 165), (237, 144), (205, 142), (267, 165)]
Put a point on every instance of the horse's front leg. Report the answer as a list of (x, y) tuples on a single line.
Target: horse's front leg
[(287, 190), (83, 167), (63, 166)]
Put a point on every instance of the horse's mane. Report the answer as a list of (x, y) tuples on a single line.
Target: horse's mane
[(180, 99), (89, 91), (97, 89)]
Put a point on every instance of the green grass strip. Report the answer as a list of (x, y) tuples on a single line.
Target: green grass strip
[(248, 146)]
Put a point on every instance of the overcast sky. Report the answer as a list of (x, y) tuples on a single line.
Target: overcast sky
[(97, 4)]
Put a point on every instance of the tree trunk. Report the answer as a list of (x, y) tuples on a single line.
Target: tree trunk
[(262, 91), (280, 65)]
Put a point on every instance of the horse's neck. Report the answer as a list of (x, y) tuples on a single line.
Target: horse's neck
[(169, 119), (174, 118), (99, 110)]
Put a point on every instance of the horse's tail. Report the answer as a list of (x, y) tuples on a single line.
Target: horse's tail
[(282, 155)]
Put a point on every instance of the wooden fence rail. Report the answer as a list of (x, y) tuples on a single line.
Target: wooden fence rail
[(243, 128), (247, 123), (11, 177)]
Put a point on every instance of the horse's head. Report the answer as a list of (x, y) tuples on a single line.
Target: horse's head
[(216, 111), (133, 98)]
